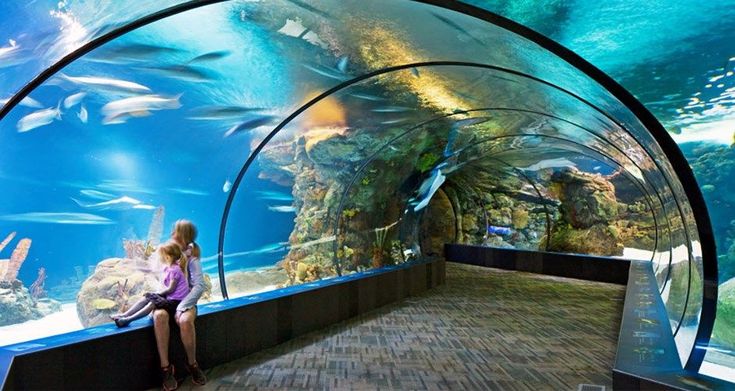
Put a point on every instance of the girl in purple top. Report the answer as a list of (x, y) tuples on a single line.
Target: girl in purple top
[(174, 279)]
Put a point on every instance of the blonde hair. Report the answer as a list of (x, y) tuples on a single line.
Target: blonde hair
[(186, 231), (171, 253)]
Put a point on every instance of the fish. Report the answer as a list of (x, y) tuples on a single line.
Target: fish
[(342, 64), (427, 189), (138, 106), (83, 115), (596, 168), (457, 27), (5, 50), (39, 118), (221, 112), (469, 122), (181, 72), (327, 72), (392, 109), (550, 163), (106, 83), (310, 243), (415, 72), (495, 230), (369, 97), (13, 55), (394, 149), (189, 191), (282, 208), (211, 56), (274, 195), (123, 202), (73, 100), (310, 8), (130, 52), (394, 121), (226, 186), (251, 123), (58, 218), (96, 194), (27, 102), (144, 206)]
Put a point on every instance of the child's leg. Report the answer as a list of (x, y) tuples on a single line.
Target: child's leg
[(135, 308), (125, 320)]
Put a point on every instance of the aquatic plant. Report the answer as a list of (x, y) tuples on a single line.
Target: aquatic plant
[(36, 289), (426, 161)]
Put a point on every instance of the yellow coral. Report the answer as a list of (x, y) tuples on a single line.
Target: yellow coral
[(520, 218)]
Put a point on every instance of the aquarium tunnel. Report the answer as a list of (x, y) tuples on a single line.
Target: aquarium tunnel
[(310, 140)]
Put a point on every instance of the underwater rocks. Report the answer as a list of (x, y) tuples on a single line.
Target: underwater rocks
[(17, 305), (247, 282), (114, 286), (723, 334), (437, 225), (600, 239), (586, 199)]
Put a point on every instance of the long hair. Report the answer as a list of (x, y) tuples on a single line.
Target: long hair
[(172, 251)]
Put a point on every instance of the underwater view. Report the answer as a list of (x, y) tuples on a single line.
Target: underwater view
[(309, 140)]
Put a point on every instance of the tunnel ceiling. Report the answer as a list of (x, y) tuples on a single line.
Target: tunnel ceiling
[(347, 105)]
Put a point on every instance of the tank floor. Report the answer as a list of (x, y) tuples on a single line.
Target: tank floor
[(484, 329)]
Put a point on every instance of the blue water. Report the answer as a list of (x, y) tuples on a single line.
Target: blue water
[(678, 58)]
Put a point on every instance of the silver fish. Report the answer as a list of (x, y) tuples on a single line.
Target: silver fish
[(221, 112), (342, 64), (181, 72), (73, 100), (83, 115), (327, 72), (130, 52), (369, 97), (138, 105), (251, 123), (123, 202), (211, 56), (282, 208), (457, 27), (27, 102), (58, 218), (226, 186), (38, 118), (107, 84), (391, 109), (97, 194)]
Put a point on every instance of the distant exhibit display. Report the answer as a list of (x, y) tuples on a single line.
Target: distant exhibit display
[(310, 140)]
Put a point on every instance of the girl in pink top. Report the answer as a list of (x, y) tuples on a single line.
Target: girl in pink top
[(175, 281)]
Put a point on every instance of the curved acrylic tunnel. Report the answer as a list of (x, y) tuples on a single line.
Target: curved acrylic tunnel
[(312, 140)]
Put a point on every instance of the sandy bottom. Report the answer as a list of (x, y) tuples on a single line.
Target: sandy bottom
[(57, 323)]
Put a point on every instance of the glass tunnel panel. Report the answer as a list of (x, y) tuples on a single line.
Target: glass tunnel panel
[(158, 123), (27, 49)]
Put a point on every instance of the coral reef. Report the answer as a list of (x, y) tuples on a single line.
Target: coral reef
[(115, 285), (155, 230), (17, 304), (589, 209)]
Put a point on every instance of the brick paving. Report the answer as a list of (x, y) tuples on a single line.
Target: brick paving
[(486, 329)]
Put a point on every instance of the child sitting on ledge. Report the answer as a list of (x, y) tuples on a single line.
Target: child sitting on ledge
[(175, 281)]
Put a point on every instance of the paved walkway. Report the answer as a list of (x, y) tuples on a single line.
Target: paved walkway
[(485, 329)]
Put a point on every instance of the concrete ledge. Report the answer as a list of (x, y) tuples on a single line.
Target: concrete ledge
[(104, 357), (556, 264)]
